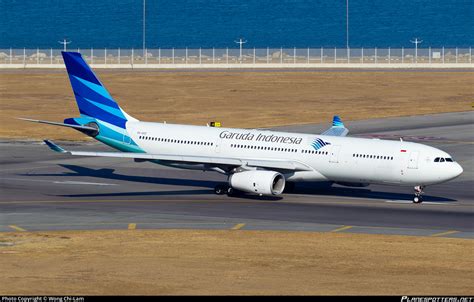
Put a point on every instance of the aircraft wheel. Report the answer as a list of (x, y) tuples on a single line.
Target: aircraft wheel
[(230, 191), (219, 189)]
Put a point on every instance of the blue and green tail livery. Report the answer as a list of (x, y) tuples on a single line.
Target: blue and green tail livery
[(96, 105), (93, 99)]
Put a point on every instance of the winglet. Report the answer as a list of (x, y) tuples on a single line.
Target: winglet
[(54, 147), (337, 129), (337, 122)]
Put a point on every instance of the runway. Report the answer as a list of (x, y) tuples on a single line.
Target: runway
[(42, 190)]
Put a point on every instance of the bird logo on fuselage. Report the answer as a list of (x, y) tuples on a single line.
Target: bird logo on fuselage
[(319, 143)]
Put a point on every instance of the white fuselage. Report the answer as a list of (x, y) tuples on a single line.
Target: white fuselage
[(337, 159)]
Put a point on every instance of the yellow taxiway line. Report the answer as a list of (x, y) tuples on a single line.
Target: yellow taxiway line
[(17, 228), (444, 233), (238, 226), (342, 229)]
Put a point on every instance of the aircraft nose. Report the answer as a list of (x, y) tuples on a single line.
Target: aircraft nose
[(453, 171), (458, 170)]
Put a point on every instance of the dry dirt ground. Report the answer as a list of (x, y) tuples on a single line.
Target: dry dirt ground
[(237, 99), (232, 262)]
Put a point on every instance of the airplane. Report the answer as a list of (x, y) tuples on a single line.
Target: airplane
[(261, 162)]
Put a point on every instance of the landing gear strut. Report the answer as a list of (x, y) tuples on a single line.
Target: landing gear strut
[(418, 194)]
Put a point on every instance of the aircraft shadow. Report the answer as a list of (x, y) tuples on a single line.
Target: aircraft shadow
[(320, 189), (150, 193), (362, 193), (110, 174)]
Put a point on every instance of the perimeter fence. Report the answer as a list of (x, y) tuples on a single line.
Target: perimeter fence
[(234, 57)]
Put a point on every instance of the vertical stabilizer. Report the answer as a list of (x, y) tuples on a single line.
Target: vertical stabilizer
[(93, 99)]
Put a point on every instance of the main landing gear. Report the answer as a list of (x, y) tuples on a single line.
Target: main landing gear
[(224, 189), (418, 194)]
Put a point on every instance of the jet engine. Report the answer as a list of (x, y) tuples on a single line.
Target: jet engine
[(259, 182)]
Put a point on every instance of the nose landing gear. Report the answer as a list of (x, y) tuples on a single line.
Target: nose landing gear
[(418, 194)]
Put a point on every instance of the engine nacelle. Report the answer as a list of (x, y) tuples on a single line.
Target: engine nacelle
[(259, 182)]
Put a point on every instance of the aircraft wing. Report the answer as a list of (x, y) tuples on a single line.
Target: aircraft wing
[(337, 129), (212, 161)]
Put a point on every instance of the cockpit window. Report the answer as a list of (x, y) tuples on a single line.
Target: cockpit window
[(442, 160)]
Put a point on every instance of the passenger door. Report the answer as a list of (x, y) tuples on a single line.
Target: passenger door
[(413, 160), (335, 150)]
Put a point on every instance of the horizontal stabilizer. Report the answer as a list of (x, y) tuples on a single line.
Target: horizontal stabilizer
[(78, 127)]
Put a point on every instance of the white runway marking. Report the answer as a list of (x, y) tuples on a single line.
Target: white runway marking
[(424, 202), (399, 201), (438, 203), (68, 182), (83, 183)]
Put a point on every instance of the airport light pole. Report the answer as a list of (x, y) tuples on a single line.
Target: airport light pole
[(347, 24), (240, 42), (416, 42), (144, 27), (64, 42)]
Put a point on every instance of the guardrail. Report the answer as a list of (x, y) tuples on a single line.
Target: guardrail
[(252, 58)]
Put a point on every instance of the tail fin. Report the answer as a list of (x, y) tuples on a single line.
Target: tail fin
[(93, 99)]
